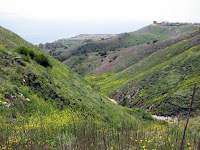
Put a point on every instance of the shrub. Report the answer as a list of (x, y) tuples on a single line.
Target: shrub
[(28, 54), (32, 53), (20, 62), (26, 58), (43, 60), (26, 51), (22, 50), (155, 41)]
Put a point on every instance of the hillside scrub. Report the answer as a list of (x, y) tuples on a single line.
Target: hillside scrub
[(160, 82), (167, 84), (129, 47), (28, 54)]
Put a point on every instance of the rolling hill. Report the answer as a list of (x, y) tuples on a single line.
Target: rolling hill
[(160, 82), (45, 105), (93, 57), (55, 84), (125, 73), (37, 89)]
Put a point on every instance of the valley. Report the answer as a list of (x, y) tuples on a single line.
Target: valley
[(101, 91)]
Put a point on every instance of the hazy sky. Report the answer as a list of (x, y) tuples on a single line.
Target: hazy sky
[(40, 21)]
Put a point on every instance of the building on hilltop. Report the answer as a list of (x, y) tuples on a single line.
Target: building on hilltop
[(166, 23)]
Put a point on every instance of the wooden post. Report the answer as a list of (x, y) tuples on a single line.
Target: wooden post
[(182, 141)]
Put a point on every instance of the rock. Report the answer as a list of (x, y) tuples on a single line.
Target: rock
[(7, 104), (20, 94), (27, 99), (112, 100), (17, 58)]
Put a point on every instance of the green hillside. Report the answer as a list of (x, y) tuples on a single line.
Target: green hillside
[(56, 85), (120, 52), (161, 82), (34, 86), (45, 105), (165, 31)]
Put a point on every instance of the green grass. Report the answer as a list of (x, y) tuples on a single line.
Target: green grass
[(121, 45), (55, 108), (162, 80)]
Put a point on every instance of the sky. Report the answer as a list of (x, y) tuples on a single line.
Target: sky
[(41, 21)]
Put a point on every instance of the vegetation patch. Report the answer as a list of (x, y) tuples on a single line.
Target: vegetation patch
[(28, 54)]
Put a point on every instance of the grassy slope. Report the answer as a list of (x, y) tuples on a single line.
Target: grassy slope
[(121, 60), (49, 105), (89, 121), (123, 51), (58, 86), (167, 72)]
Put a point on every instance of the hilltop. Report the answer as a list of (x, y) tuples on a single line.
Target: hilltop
[(56, 48), (88, 37)]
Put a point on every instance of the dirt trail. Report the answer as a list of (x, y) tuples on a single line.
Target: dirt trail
[(163, 118), (167, 119)]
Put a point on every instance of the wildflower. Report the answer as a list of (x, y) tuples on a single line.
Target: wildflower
[(143, 146), (149, 141), (136, 140), (188, 144), (172, 144), (190, 148)]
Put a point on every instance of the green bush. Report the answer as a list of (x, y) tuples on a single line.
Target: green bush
[(26, 58), (28, 54), (43, 60), (26, 51)]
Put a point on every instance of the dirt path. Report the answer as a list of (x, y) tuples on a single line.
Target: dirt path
[(163, 118), (167, 119)]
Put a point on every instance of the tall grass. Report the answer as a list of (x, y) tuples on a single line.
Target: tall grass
[(70, 130)]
